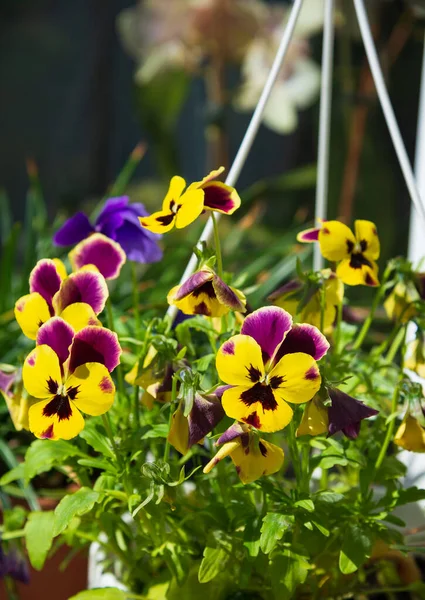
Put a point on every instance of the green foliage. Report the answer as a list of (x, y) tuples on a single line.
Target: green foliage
[(100, 594), (39, 536), (73, 505), (42, 455)]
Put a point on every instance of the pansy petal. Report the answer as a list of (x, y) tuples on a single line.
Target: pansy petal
[(191, 206), (221, 197), (91, 389), (80, 315), (49, 421), (41, 372), (98, 250), (57, 334), (193, 282), (224, 451), (295, 378), (239, 361), (212, 175), (84, 286), (74, 230), (410, 435), (258, 459), (367, 237), (309, 235), (178, 435), (304, 338), (206, 413), (289, 289), (175, 190), (140, 245), (60, 268), (202, 301), (112, 208), (7, 380), (257, 406), (336, 240), (31, 311), (346, 413), (358, 273), (95, 344), (268, 326), (44, 279), (315, 419), (232, 432), (158, 222), (230, 297)]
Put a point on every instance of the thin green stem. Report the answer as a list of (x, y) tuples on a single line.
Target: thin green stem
[(305, 468), (172, 403), (390, 430), (13, 535), (398, 340), (368, 322), (338, 326), (322, 308), (293, 451), (111, 325), (108, 428), (217, 246), (136, 299)]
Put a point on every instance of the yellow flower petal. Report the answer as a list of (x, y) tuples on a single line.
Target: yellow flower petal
[(336, 240), (178, 435), (268, 413), (239, 361), (415, 359), (91, 389), (261, 459), (31, 311), (60, 268), (191, 206), (41, 372), (315, 419), (295, 378), (225, 450), (54, 427), (363, 275), (175, 190), (410, 435), (158, 222), (367, 237), (79, 315), (212, 175), (399, 304)]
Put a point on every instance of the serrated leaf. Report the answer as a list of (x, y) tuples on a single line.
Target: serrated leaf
[(329, 497), (272, 530), (212, 564), (306, 504), (98, 440), (39, 536), (160, 430), (356, 548), (100, 594), (73, 505), (42, 455)]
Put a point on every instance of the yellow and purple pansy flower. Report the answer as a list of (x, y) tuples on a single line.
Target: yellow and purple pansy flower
[(270, 363), (410, 435), (252, 456), (119, 221), (155, 378), (356, 255), (182, 206), (100, 251), (204, 293), (17, 400), (78, 298), (69, 372)]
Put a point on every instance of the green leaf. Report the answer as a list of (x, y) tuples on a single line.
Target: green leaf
[(329, 497), (272, 530), (212, 564), (13, 475), (286, 574), (101, 594), (306, 504), (42, 455), (39, 536), (356, 548), (70, 506), (97, 439), (160, 430)]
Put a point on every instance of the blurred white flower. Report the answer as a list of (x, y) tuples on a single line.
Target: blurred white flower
[(298, 82)]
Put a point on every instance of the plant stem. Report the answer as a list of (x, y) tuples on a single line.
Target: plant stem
[(322, 308), (338, 326), (366, 325), (107, 425), (305, 468), (398, 340), (293, 451), (217, 246), (390, 429), (135, 299), (172, 403), (111, 325)]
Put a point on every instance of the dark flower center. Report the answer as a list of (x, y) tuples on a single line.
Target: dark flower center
[(165, 219), (206, 288), (59, 406), (260, 393)]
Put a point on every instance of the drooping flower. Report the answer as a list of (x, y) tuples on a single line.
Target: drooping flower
[(415, 355), (268, 365), (346, 413), (252, 456), (315, 419), (77, 298), (410, 435), (17, 401), (355, 254), (180, 208), (155, 378), (304, 299), (204, 293), (404, 299), (106, 255), (205, 414), (119, 221), (69, 372)]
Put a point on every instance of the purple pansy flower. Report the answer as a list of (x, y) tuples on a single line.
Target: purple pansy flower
[(346, 413), (119, 221), (13, 565)]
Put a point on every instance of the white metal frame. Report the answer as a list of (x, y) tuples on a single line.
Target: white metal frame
[(417, 230)]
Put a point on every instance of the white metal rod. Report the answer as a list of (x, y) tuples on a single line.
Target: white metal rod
[(416, 251), (324, 124), (249, 136), (387, 108)]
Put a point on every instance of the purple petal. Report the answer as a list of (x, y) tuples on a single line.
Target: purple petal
[(194, 282), (84, 286), (6, 381), (232, 432), (95, 344), (57, 334), (111, 206), (304, 338), (269, 327), (346, 413), (226, 295), (74, 230), (100, 251), (139, 244), (45, 279), (206, 413), (289, 288), (221, 197), (309, 235), (218, 392)]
